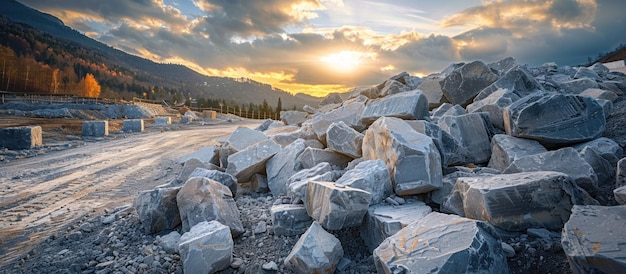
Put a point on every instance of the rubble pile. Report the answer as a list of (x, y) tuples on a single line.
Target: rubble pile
[(448, 173)]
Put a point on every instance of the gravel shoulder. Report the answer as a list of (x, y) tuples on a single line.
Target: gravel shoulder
[(43, 196)]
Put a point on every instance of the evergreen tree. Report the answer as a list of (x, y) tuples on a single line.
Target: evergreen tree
[(279, 105)]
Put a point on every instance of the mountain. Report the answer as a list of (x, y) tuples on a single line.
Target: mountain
[(49, 42)]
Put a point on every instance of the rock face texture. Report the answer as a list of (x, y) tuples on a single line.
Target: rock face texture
[(157, 209), (242, 138), (16, 138), (464, 83), (516, 202), (371, 176), (251, 160), (222, 177), (411, 157), (349, 113), (206, 248), (293, 117), (594, 241), (282, 166), (384, 220), (290, 219), (473, 132), (202, 199), (505, 149), (343, 139), (409, 105), (317, 251), (334, 206), (441, 243), (565, 119)]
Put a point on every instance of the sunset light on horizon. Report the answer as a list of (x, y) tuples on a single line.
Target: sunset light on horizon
[(322, 46)]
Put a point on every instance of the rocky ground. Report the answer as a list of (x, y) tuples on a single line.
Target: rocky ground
[(113, 241)]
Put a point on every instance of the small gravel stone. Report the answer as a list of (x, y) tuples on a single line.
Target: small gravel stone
[(270, 266)]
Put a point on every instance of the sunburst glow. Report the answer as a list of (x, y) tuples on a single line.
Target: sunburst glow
[(346, 61)]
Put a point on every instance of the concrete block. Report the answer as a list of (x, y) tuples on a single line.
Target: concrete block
[(95, 128), (162, 121), (15, 138), (133, 125)]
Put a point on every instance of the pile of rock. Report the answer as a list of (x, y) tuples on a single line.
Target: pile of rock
[(496, 149)]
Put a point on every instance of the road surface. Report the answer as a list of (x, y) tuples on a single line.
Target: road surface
[(44, 194)]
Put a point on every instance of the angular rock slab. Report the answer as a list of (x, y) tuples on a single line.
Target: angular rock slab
[(441, 243), (311, 157), (566, 160), (334, 206), (349, 114), (408, 105), (206, 248), (517, 80), (451, 152), (382, 221), (516, 202), (222, 177), (244, 164), (282, 166), (290, 219), (242, 138), (594, 239), (157, 209), (293, 117), (202, 199), (432, 90), (607, 148), (412, 158), (343, 139), (371, 176), (473, 132), (494, 104), (209, 154), (620, 195), (505, 149), (317, 251), (463, 84), (298, 182), (555, 119)]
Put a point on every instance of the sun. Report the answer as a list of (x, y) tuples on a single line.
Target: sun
[(343, 61)]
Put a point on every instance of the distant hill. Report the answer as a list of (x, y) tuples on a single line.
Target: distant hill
[(617, 55), (42, 42)]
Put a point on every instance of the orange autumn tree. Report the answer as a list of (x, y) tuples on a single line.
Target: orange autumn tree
[(89, 87)]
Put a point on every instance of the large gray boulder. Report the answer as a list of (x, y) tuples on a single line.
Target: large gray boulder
[(411, 157), (516, 202), (317, 251), (222, 177), (290, 219), (432, 90), (494, 104), (473, 131), (202, 199), (311, 157), (206, 248), (450, 202), (577, 86), (517, 80), (607, 148), (555, 119), (441, 243), (335, 206), (391, 87), (349, 113), (566, 160), (408, 105), (383, 220), (282, 166), (343, 139), (594, 239), (620, 195), (209, 154), (371, 176), (244, 164), (597, 93), (298, 182), (293, 117), (157, 209), (504, 65), (505, 149), (601, 167), (242, 138), (451, 152), (464, 83)]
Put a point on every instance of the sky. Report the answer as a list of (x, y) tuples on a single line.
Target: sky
[(323, 46)]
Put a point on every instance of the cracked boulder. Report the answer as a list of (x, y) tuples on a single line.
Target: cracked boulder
[(206, 248), (282, 166), (157, 209), (244, 164), (594, 239), (317, 251), (371, 176), (473, 132), (202, 199), (441, 243), (408, 105), (464, 83), (555, 119), (505, 149), (335, 206), (516, 202), (412, 158), (343, 139)]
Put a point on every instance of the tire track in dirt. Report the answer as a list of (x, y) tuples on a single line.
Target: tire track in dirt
[(45, 194)]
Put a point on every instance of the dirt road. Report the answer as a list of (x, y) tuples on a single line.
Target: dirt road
[(42, 195)]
